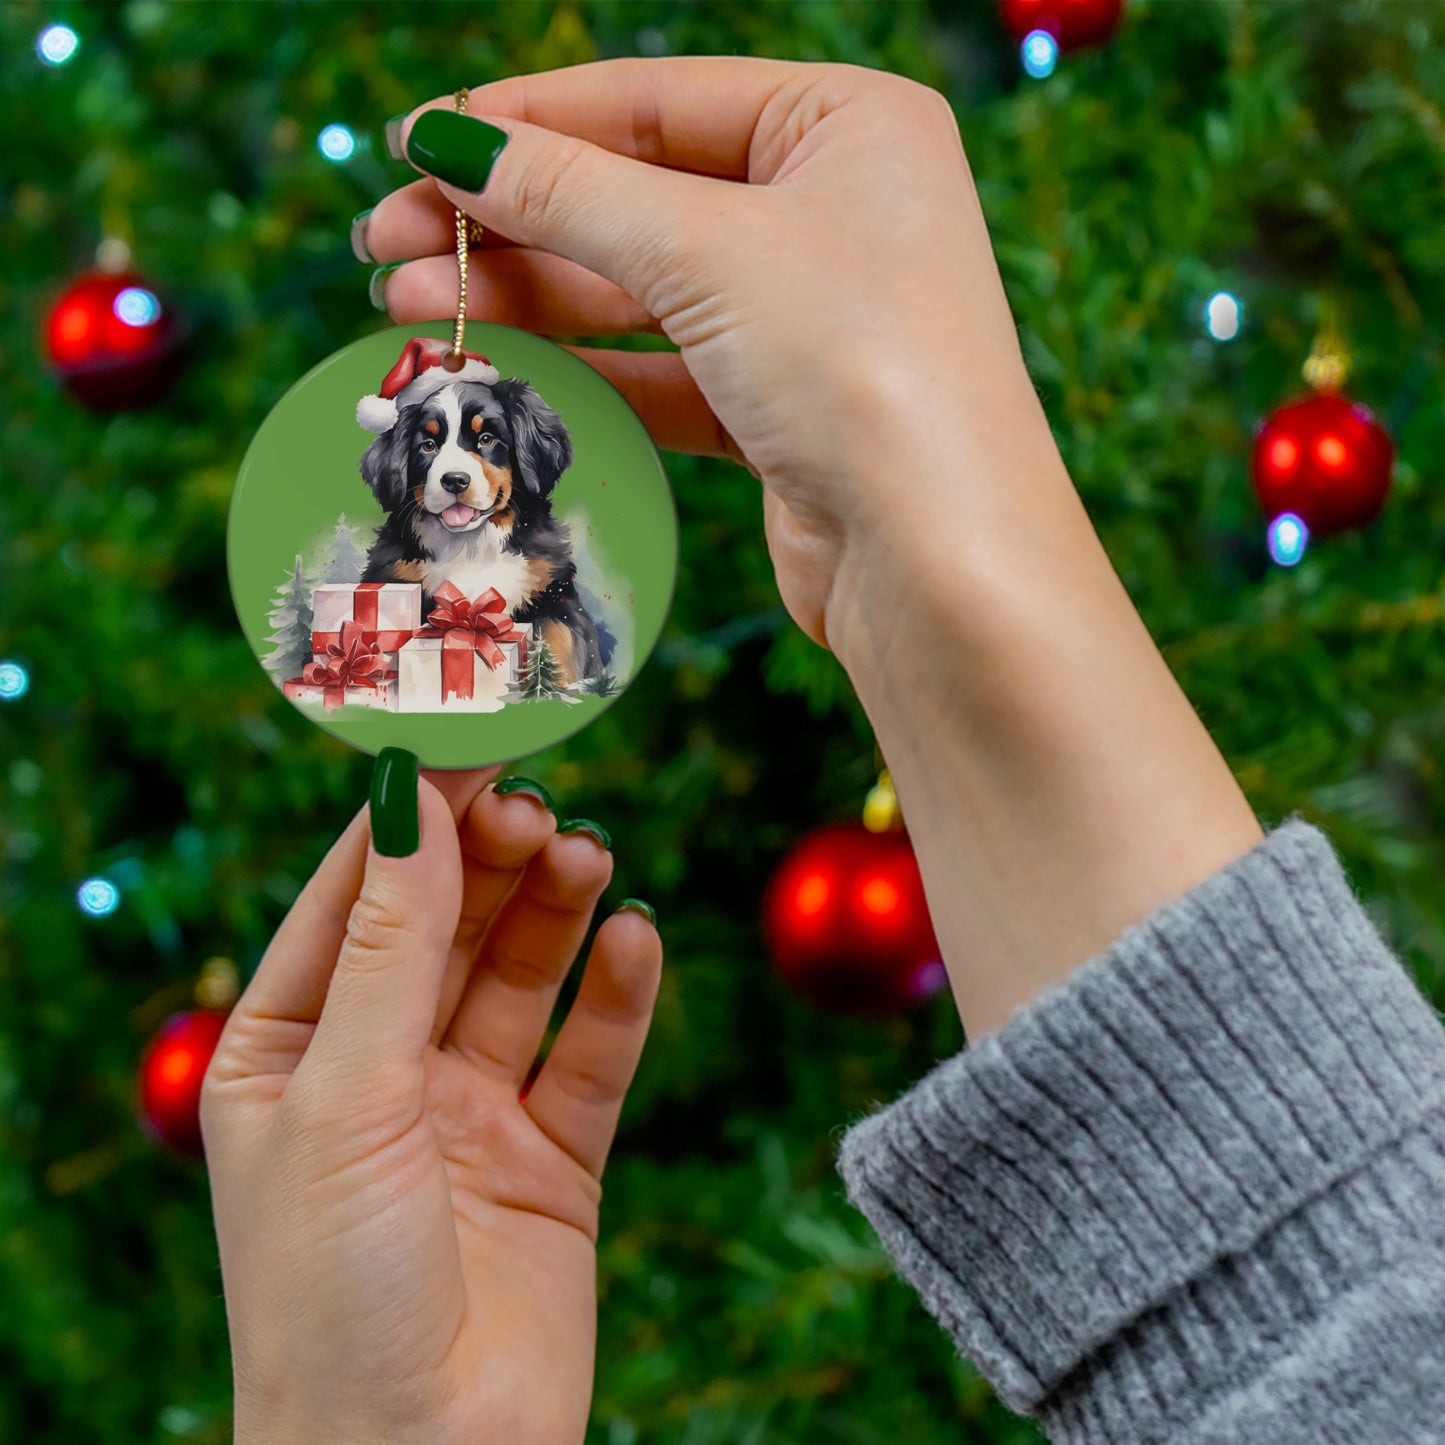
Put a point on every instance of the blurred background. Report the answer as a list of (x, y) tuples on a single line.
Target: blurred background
[(1188, 207)]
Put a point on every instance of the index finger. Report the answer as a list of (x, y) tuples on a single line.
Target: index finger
[(698, 113)]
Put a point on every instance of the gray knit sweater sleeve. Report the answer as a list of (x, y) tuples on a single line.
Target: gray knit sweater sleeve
[(1196, 1192)]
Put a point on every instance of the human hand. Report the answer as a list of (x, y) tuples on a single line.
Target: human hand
[(842, 326), (407, 1235)]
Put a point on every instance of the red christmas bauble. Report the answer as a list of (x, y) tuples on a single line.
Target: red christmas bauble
[(112, 341), (1073, 23), (1324, 458), (847, 923), (171, 1072)]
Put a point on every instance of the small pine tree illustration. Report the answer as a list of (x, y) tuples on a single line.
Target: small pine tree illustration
[(542, 677), (291, 617), (345, 555)]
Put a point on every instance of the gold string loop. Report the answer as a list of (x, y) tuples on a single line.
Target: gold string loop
[(468, 231)]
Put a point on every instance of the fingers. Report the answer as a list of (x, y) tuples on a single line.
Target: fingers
[(627, 221), (689, 113), (660, 389), (500, 834), (417, 220), (517, 287), (460, 786), (502, 1015), (382, 998), (577, 1098)]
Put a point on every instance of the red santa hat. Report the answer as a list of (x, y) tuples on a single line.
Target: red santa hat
[(415, 376)]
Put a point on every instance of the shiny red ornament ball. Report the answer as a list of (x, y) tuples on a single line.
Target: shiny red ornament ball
[(171, 1072), (847, 924), (1324, 458), (1073, 23), (112, 341)]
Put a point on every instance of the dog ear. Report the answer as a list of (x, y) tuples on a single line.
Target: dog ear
[(541, 448), (383, 466)]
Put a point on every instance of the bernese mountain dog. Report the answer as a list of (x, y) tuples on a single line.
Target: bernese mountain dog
[(464, 476)]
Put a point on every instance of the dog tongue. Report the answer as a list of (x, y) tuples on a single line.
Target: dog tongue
[(458, 514)]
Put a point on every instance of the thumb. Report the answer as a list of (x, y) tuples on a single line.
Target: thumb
[(382, 999), (623, 219)]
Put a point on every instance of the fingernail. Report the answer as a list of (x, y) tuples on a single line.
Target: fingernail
[(376, 287), (636, 905), (395, 812), (455, 148), (514, 784), (358, 236), (586, 825), (393, 137)]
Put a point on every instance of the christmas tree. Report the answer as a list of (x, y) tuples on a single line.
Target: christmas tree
[(291, 617), (1273, 153), (541, 676), (345, 556)]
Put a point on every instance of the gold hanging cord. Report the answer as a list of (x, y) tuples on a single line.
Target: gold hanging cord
[(469, 233)]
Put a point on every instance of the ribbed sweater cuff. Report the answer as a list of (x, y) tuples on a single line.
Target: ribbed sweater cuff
[(1159, 1155)]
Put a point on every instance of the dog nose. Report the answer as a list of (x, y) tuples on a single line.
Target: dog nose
[(456, 482)]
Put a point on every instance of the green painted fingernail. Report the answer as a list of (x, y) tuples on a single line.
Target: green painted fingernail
[(636, 905), (516, 784), (586, 825), (376, 288), (392, 131), (395, 812), (358, 236), (455, 148)]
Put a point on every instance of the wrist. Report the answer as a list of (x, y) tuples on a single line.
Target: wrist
[(1056, 782)]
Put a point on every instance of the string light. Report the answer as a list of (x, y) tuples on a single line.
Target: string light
[(1288, 537), (14, 681), (1040, 52), (57, 44), (137, 307), (336, 143), (1223, 316), (98, 897)]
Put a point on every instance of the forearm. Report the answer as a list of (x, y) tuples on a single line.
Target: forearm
[(1056, 782)]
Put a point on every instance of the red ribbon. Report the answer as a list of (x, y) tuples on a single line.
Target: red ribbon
[(470, 630), (365, 611), (350, 662)]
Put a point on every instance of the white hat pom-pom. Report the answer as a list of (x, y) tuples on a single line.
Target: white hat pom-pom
[(376, 414)]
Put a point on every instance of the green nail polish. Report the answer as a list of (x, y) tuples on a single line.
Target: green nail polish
[(376, 287), (395, 812), (636, 905), (516, 784), (392, 132), (358, 236), (455, 148), (586, 825)]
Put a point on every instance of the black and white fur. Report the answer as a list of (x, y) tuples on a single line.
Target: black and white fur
[(494, 451)]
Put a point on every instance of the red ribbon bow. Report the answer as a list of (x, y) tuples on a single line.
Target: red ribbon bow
[(352, 662), (470, 629)]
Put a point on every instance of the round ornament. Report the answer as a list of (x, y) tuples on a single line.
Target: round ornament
[(467, 552), (1326, 459), (112, 341), (847, 924), (172, 1070), (1073, 23)]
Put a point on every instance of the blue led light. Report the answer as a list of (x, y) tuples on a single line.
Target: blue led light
[(1288, 537), (98, 897), (336, 143), (1223, 316), (57, 44), (137, 307), (14, 681), (1040, 52)]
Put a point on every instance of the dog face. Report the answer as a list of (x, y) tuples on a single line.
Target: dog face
[(466, 453)]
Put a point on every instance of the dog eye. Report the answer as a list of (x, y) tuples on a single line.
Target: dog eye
[(486, 436), (428, 445)]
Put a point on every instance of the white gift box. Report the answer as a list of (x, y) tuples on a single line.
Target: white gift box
[(389, 614), (436, 672), (383, 697)]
